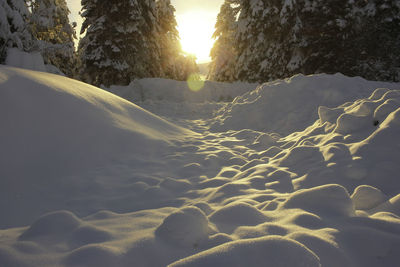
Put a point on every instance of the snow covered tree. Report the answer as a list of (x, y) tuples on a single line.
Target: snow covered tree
[(374, 39), (223, 53), (168, 38), (14, 29), (56, 35), (318, 37), (276, 39), (120, 42), (267, 32), (151, 48)]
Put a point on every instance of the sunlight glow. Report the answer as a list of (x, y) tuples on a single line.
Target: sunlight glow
[(195, 83), (195, 29)]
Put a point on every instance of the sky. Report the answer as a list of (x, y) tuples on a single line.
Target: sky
[(196, 20)]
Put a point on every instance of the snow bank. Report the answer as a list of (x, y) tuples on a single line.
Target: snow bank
[(174, 99), (289, 105), (157, 89), (53, 126), (31, 61), (358, 144), (148, 193), (20, 59)]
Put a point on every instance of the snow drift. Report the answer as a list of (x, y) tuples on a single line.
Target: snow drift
[(285, 106), (157, 95), (53, 126), (324, 196), (158, 89)]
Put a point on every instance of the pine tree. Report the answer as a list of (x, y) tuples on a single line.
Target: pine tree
[(327, 38), (56, 35), (120, 42), (14, 29), (103, 45), (376, 35), (252, 26), (168, 38), (277, 39), (223, 52), (151, 45)]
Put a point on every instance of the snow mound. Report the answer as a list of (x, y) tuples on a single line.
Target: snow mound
[(103, 124), (92, 256), (187, 227), (326, 199), (238, 214), (366, 197), (285, 106), (265, 251), (19, 59), (355, 146), (53, 127), (52, 224)]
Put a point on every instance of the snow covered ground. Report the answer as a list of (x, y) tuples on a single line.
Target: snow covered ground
[(298, 172)]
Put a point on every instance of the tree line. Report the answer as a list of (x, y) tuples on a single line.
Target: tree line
[(123, 39), (263, 40), (256, 40)]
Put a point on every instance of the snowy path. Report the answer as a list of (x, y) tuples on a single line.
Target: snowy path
[(127, 188)]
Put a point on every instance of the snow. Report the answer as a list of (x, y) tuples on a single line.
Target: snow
[(284, 106), (158, 89), (187, 227), (31, 61), (20, 59), (104, 128), (366, 197), (332, 200), (274, 251), (295, 172)]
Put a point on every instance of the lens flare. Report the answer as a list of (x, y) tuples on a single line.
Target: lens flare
[(195, 83)]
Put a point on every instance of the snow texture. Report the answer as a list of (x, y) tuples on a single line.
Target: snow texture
[(285, 106), (90, 179)]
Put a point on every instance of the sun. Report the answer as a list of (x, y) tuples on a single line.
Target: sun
[(196, 29)]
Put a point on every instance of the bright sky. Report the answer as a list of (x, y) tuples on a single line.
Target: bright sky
[(196, 20)]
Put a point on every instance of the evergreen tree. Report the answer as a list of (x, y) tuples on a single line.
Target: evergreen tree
[(120, 42), (152, 56), (376, 37), (168, 37), (14, 29), (250, 44), (317, 37), (56, 35), (276, 39), (223, 52)]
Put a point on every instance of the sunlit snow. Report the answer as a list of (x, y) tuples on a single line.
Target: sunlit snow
[(295, 172)]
